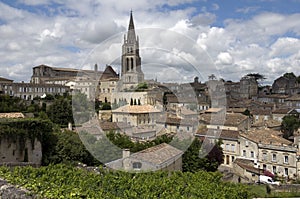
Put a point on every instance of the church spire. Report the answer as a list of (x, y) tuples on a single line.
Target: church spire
[(131, 38)]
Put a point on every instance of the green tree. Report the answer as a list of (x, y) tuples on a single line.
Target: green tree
[(290, 75), (289, 124), (105, 106), (256, 76), (193, 162), (60, 112), (68, 148), (11, 104)]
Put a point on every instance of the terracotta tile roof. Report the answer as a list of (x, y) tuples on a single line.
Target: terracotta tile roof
[(266, 136), (136, 109), (231, 119), (2, 79), (225, 134), (177, 121), (106, 126), (248, 165), (214, 110), (261, 111), (294, 98), (236, 110), (12, 115), (281, 111), (158, 154)]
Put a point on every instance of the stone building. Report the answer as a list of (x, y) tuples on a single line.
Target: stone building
[(28, 91), (285, 85), (270, 151), (159, 157), (136, 115), (248, 87), (131, 68)]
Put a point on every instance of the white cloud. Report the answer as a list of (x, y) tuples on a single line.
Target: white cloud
[(225, 58), (257, 44)]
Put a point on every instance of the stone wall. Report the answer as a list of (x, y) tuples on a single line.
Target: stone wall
[(12, 151), (8, 191)]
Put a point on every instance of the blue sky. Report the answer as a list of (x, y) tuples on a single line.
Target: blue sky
[(239, 37)]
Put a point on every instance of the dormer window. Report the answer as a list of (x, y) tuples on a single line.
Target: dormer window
[(137, 165)]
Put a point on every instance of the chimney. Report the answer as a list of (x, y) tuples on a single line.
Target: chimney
[(126, 153), (96, 68)]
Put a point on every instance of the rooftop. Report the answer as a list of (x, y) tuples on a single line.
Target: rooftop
[(12, 115), (136, 109), (158, 154), (266, 136)]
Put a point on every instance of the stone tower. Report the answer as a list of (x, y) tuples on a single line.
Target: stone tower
[(131, 72)]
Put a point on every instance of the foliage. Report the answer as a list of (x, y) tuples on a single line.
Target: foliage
[(124, 142), (256, 76), (11, 104), (62, 181), (19, 130), (289, 124), (192, 162), (289, 75), (105, 106), (141, 86), (60, 112), (67, 147)]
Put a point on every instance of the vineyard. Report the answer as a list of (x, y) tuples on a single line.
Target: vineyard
[(63, 181)]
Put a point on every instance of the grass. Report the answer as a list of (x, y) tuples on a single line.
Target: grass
[(260, 191)]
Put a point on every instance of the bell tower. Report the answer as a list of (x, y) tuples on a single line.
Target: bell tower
[(131, 72)]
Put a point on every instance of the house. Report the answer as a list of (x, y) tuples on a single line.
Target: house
[(230, 143), (176, 125), (136, 115), (267, 149), (159, 157), (279, 113), (293, 101), (28, 91), (284, 85), (227, 121)]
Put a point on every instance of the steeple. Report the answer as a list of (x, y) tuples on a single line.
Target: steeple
[(131, 61), (131, 38)]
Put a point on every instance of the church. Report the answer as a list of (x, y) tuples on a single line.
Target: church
[(131, 68)]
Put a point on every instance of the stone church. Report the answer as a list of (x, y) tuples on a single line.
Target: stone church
[(131, 69)]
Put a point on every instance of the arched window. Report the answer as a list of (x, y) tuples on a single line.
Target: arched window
[(131, 59), (127, 64)]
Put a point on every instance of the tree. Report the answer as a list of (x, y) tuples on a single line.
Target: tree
[(192, 162), (60, 112), (212, 77), (289, 124), (105, 106), (67, 147), (290, 75), (256, 76)]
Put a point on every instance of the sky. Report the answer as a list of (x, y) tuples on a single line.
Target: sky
[(179, 39)]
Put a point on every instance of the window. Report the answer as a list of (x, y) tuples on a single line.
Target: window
[(286, 171), (187, 128), (247, 143), (137, 165), (252, 154), (232, 147), (264, 167), (264, 156), (274, 157), (244, 153), (286, 159), (274, 169), (227, 147), (232, 158)]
